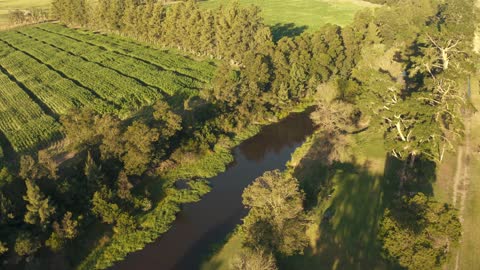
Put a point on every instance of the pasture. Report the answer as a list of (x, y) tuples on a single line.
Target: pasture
[(7, 5), (308, 14), (47, 70)]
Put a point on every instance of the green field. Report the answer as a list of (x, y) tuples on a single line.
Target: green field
[(311, 14), (7, 5), (48, 70)]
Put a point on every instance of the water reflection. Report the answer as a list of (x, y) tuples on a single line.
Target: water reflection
[(202, 224)]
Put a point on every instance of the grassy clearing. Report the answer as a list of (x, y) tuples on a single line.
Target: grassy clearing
[(7, 5), (308, 14)]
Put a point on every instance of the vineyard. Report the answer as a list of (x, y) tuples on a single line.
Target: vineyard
[(48, 70)]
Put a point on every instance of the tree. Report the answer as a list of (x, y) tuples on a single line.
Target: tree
[(7, 209), (124, 187), (156, 23), (417, 232), (26, 244), (78, 128), (17, 17), (276, 219), (46, 160), (335, 120), (257, 259), (39, 208), (5, 177), (66, 230), (167, 121), (103, 208), (30, 169), (448, 38), (130, 18), (110, 131), (125, 224), (139, 146), (3, 248), (57, 9), (93, 174)]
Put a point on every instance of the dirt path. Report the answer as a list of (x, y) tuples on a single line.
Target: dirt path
[(465, 186), (458, 172), (461, 180)]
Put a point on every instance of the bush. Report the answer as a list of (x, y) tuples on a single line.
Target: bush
[(418, 233), (26, 244)]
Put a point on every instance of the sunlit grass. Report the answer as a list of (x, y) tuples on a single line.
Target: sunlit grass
[(7, 5), (310, 13)]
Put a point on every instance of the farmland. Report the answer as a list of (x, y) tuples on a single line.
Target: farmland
[(51, 70), (311, 14), (7, 5)]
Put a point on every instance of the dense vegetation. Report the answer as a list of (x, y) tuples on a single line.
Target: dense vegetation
[(395, 75), (399, 69)]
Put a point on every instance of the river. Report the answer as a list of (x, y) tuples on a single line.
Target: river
[(201, 225)]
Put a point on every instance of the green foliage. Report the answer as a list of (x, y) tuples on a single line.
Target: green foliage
[(26, 244), (5, 177), (139, 139), (39, 208), (124, 186), (71, 11), (3, 248), (418, 232), (153, 224), (256, 259), (66, 230), (276, 220), (102, 207)]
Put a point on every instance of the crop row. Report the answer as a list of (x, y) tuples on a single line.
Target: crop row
[(202, 70), (58, 93), (22, 121), (168, 81), (118, 88)]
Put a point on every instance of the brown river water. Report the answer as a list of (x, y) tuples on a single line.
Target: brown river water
[(199, 226)]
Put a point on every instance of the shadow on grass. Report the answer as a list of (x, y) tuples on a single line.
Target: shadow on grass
[(281, 30), (349, 201)]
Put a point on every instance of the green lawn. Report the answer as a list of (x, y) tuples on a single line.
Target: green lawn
[(303, 13), (7, 5)]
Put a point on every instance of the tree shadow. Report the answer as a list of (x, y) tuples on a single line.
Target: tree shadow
[(349, 201), (281, 30), (347, 236)]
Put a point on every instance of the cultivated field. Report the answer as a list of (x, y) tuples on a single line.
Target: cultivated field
[(47, 70), (7, 5), (309, 13)]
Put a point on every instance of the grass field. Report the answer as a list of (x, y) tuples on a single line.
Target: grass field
[(311, 14), (7, 5), (49, 69)]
